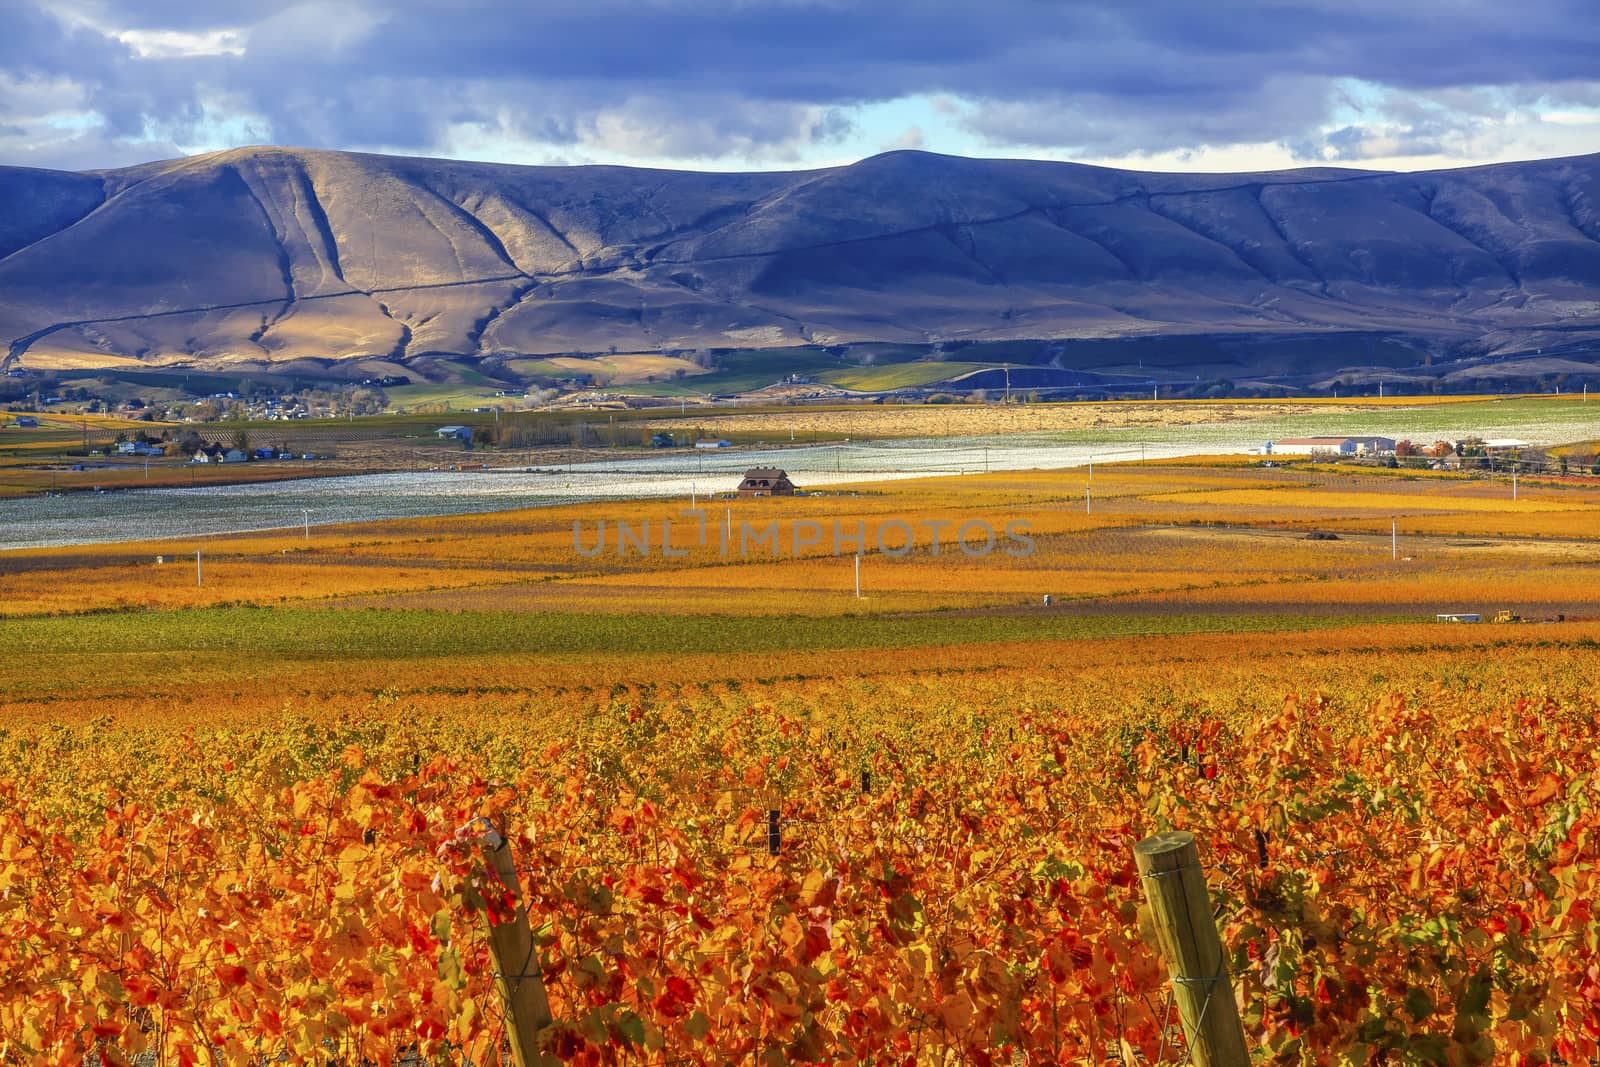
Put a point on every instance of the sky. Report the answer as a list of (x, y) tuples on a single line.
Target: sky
[(1224, 85)]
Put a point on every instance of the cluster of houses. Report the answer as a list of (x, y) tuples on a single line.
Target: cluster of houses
[(1374, 446), (219, 454)]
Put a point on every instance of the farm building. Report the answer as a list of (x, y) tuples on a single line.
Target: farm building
[(25, 421), (1341, 446), (766, 481), (717, 443), (463, 433)]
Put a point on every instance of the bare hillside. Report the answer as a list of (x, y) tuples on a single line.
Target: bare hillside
[(271, 254)]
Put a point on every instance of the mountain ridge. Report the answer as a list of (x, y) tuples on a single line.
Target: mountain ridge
[(270, 254)]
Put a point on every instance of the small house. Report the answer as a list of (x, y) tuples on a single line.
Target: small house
[(461, 433), (235, 455), (139, 448), (766, 481), (25, 422)]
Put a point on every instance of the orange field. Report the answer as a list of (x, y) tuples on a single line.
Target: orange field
[(1169, 532), (269, 881), (237, 820)]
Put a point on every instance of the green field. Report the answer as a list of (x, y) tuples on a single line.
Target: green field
[(898, 375), (446, 395), (314, 634)]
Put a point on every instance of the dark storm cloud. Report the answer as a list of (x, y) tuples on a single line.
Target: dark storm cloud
[(720, 77), (34, 43)]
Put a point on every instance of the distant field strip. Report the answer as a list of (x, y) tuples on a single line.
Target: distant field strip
[(1334, 500), (339, 634)]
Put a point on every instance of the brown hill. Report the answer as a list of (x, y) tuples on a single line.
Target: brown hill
[(270, 254)]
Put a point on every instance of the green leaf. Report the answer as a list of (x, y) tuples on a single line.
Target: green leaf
[(632, 1027), (1475, 1001), (1419, 1005)]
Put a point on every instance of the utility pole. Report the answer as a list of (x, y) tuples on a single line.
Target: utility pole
[(858, 576), (199, 576), (1088, 505), (1394, 539), (305, 516)]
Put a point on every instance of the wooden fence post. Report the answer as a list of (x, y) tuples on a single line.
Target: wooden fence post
[(1175, 887), (518, 974)]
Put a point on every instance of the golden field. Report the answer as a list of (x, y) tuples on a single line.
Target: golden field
[(229, 820), (960, 420), (1159, 530)]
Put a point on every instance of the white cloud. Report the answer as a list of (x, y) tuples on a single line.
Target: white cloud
[(168, 44), (913, 138), (731, 84), (1587, 118)]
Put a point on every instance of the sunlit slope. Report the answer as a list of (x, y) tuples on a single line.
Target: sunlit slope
[(277, 254)]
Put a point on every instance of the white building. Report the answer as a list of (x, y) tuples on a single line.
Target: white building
[(1333, 446)]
